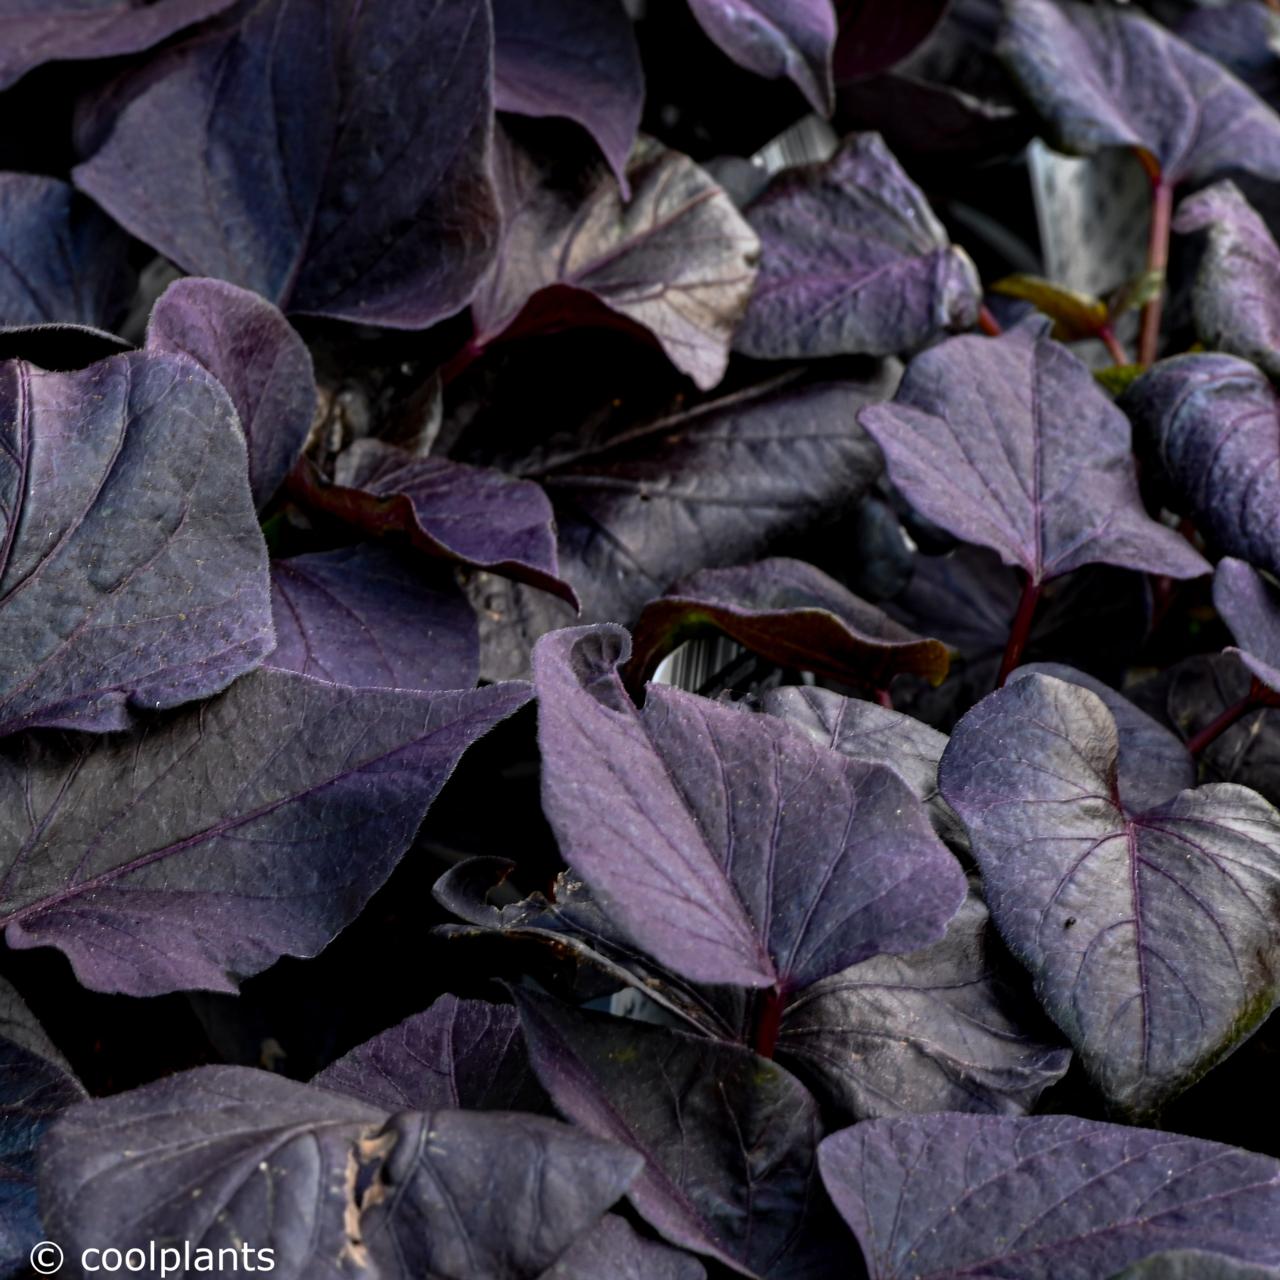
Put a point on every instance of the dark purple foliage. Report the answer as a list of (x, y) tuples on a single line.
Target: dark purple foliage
[(941, 1197), (1249, 606), (873, 38), (613, 1249)]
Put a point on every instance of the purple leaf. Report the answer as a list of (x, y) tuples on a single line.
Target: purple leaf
[(728, 1138), (937, 1030), (60, 348), (1239, 36), (373, 204), (1236, 291), (459, 1053), (731, 847), (853, 262), (775, 38), (1044, 1197), (790, 613), (873, 38), (1248, 605), (1106, 77), (36, 1085), (219, 838), (66, 30), (1152, 936), (372, 616), (572, 58), (1194, 1264), (1215, 421), (61, 260), (677, 259), (471, 515), (224, 1157), (1010, 443), (614, 1250), (132, 570), (253, 351)]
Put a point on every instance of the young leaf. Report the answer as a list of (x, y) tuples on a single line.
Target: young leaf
[(1075, 315), (572, 58), (728, 1138), (791, 614), (774, 38), (224, 1157), (1215, 422), (937, 1030), (1108, 77), (132, 570), (853, 262), (374, 204), (1152, 936), (731, 847), (71, 30), (1009, 443), (448, 510), (1248, 605), (458, 1053), (217, 839), (677, 259), (61, 260), (262, 363), (1043, 1197), (614, 1250), (372, 615), (1237, 289)]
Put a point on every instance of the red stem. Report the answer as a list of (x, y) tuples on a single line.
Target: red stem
[(768, 1021), (1109, 340), (461, 360), (1021, 629), (1217, 727), (988, 323), (884, 698), (1157, 260)]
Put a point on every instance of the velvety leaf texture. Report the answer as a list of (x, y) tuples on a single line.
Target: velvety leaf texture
[(373, 204), (372, 616), (61, 260), (472, 515), (217, 839), (255, 1159), (774, 38), (466, 1054), (730, 846), (677, 258), (1044, 1197), (39, 31), (1108, 77), (1237, 289), (728, 1138), (937, 1030), (790, 613), (254, 352), (1248, 604), (1153, 936), (1215, 422), (132, 570), (1010, 443), (853, 262), (572, 58), (35, 1085)]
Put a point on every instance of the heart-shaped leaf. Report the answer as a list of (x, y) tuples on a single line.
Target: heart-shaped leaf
[(217, 839), (572, 58), (374, 204), (1044, 1197), (1009, 443), (853, 262), (677, 259), (1237, 289), (791, 614), (1215, 422), (262, 363), (1109, 77), (132, 570), (731, 847), (372, 616), (1153, 936), (227, 1157)]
